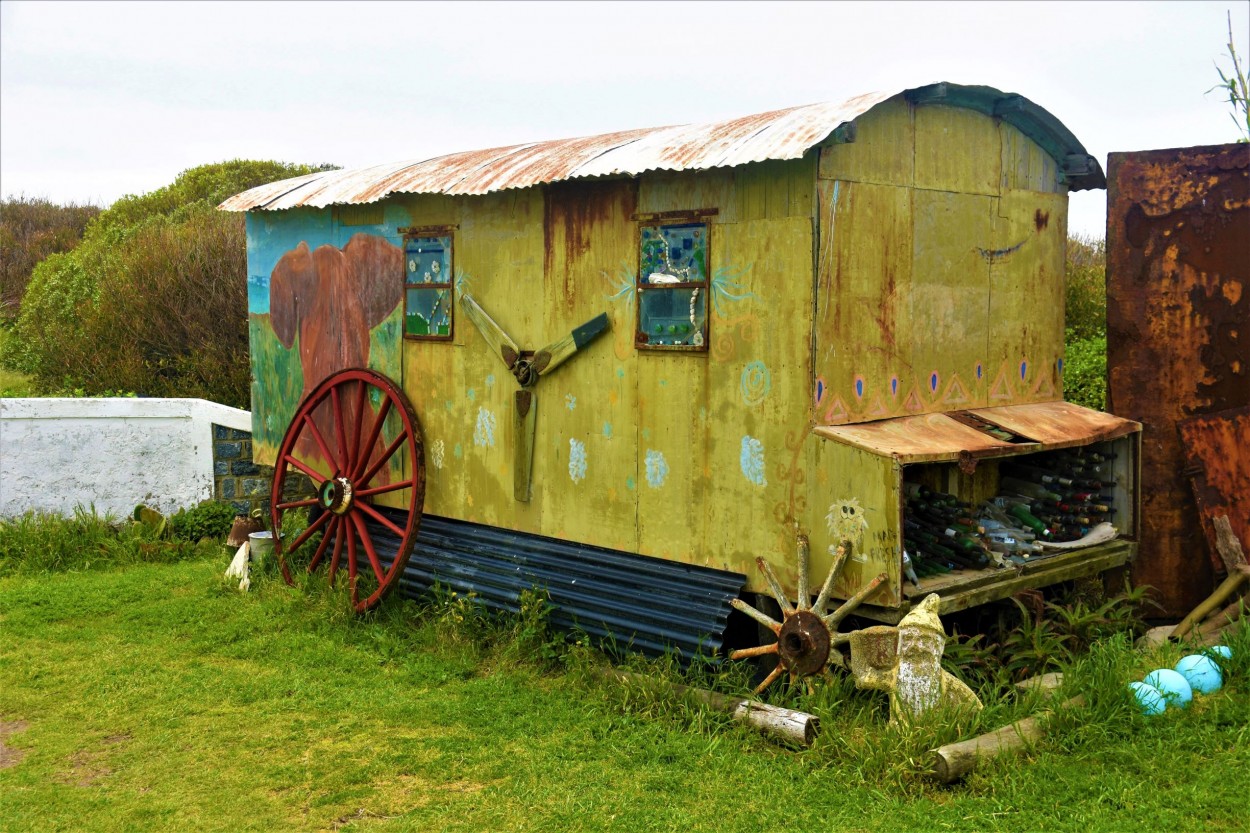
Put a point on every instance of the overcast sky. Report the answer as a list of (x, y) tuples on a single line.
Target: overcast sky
[(102, 99)]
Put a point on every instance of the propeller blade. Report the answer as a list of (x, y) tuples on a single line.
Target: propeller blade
[(524, 420), (499, 342), (557, 353)]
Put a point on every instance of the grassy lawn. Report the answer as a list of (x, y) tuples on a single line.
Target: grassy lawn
[(157, 697), (12, 383)]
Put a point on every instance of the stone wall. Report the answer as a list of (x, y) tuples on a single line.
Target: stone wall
[(239, 481)]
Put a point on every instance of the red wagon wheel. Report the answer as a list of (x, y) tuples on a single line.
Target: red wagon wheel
[(356, 438)]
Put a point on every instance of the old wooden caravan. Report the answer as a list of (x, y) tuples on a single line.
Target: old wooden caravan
[(623, 367)]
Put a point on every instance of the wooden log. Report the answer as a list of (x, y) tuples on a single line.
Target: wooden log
[(1227, 588), (955, 760), (793, 727), (1222, 619), (1229, 547)]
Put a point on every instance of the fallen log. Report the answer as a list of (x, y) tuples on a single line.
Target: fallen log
[(793, 727), (1227, 588), (955, 760), (1223, 619)]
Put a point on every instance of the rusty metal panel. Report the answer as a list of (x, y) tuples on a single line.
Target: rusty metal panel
[(1178, 310), (931, 438), (1217, 447), (775, 135), (1058, 424)]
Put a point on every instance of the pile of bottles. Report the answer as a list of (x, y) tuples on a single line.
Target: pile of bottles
[(1055, 496)]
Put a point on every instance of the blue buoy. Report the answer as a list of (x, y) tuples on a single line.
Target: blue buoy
[(1174, 688), (1148, 698), (1203, 675)]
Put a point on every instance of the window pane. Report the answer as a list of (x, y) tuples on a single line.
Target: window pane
[(673, 317), (673, 254), (428, 312), (428, 259)]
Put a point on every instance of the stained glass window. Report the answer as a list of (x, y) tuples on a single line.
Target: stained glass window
[(673, 286), (428, 299)]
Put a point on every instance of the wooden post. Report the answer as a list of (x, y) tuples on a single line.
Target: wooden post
[(793, 727), (954, 760)]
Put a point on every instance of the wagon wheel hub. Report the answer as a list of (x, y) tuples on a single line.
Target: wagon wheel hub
[(803, 643), (336, 495), (524, 372)]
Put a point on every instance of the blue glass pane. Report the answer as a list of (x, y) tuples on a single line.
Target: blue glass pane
[(427, 259), (428, 312), (674, 317), (673, 254)]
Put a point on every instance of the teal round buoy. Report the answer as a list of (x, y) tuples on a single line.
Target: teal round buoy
[(1174, 688), (1203, 675), (1148, 698), (1219, 654)]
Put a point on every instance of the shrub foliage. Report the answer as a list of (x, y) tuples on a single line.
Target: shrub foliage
[(154, 299), (1085, 323), (30, 230)]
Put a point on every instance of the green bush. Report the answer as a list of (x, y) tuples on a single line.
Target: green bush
[(1085, 323), (31, 229), (154, 299), (210, 519)]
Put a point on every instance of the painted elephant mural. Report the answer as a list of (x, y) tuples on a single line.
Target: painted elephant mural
[(326, 302)]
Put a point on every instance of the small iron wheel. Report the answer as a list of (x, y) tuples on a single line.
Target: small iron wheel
[(806, 637), (356, 438)]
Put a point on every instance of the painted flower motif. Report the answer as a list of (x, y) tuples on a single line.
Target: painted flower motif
[(577, 460), (436, 267), (437, 452), (751, 460), (484, 432), (570, 401), (657, 468)]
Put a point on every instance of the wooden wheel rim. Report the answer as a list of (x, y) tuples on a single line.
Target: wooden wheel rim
[(357, 406)]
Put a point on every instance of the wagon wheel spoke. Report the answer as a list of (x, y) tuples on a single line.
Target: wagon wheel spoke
[(805, 638), (331, 532), (370, 508)]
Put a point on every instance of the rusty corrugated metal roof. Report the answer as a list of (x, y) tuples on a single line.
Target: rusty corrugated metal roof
[(778, 134), (929, 438)]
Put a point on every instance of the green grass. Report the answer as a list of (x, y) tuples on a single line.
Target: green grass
[(157, 697)]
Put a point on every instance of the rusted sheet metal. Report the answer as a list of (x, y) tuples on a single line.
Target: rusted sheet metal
[(923, 438), (1218, 449), (1178, 311), (1058, 424), (778, 134), (929, 438)]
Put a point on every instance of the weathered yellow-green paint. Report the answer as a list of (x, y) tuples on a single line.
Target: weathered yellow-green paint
[(909, 271), (944, 273), (842, 476)]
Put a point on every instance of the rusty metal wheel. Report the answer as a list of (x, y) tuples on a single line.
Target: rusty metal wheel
[(355, 439), (807, 636)]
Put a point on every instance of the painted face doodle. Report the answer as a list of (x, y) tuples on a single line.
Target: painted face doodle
[(847, 522)]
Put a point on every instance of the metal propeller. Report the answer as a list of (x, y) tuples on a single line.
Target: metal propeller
[(528, 368)]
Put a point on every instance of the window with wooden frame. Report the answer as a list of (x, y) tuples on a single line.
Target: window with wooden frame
[(428, 308), (673, 272)]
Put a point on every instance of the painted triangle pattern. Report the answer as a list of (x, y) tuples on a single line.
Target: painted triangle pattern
[(956, 393), (1045, 387), (912, 403), (1001, 389), (837, 412), (878, 409)]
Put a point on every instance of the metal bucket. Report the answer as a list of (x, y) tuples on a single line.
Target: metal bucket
[(261, 546)]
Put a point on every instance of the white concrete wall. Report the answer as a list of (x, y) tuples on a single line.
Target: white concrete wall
[(56, 454)]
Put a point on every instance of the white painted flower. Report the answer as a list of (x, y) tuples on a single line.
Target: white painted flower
[(437, 452), (570, 401), (577, 460), (657, 468), (751, 459), (484, 433)]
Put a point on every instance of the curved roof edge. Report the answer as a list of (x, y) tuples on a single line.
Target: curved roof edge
[(775, 135)]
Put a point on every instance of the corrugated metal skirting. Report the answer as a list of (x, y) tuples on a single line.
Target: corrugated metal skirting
[(644, 604)]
